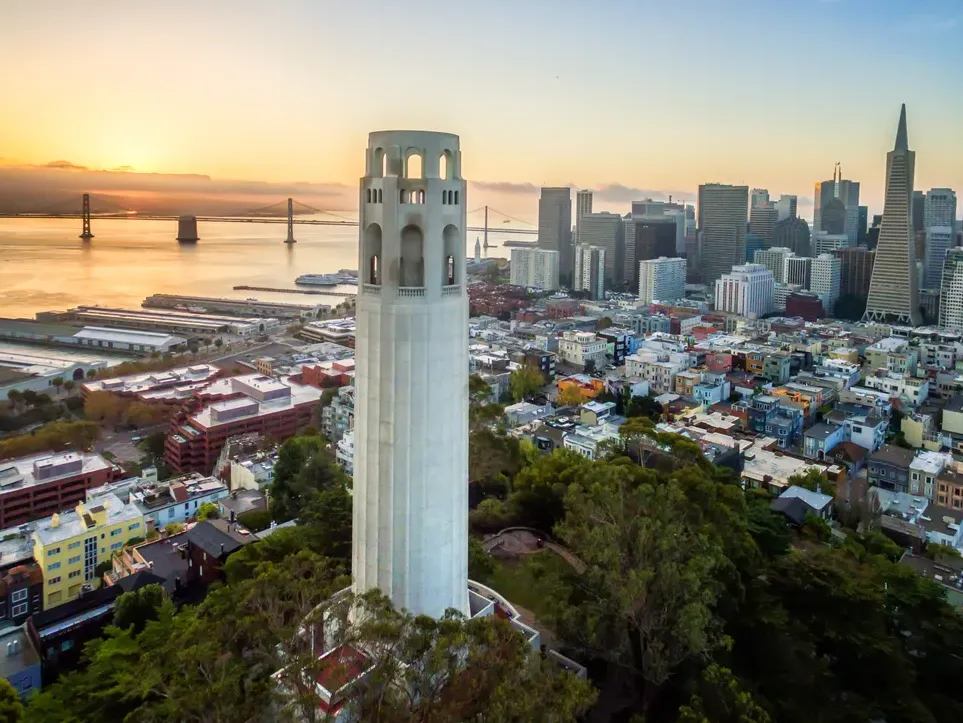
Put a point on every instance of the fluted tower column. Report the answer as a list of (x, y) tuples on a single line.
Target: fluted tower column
[(411, 398)]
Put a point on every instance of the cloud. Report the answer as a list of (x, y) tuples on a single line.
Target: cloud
[(505, 187), (123, 169), (618, 193), (65, 165)]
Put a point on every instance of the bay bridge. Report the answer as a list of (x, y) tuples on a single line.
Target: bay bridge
[(98, 207)]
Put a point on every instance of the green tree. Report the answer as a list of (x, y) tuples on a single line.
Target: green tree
[(480, 565), (482, 411), (255, 520), (525, 382), (646, 596), (569, 396), (208, 511), (721, 698), (814, 480), (218, 342), (70, 385), (173, 528), (57, 383), (134, 609), (11, 709)]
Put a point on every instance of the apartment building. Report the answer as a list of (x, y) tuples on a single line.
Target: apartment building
[(581, 347), (36, 486), (251, 403), (68, 546)]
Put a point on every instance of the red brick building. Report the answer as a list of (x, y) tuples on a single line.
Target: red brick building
[(39, 485), (807, 306), (328, 374), (276, 408)]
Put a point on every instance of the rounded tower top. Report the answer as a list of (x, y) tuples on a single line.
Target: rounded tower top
[(390, 151)]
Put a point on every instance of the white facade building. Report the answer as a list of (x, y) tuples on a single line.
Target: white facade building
[(661, 279), (786, 207), (535, 268), (797, 270), (579, 347), (939, 240), (658, 369), (951, 291), (827, 243), (589, 271), (774, 259), (825, 279), (746, 291), (410, 531), (781, 294)]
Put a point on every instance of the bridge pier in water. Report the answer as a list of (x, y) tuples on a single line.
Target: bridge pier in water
[(290, 239), (85, 234), (187, 229)]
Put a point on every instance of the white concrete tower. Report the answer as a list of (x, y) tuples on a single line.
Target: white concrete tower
[(411, 403)]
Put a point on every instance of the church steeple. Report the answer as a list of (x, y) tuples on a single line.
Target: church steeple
[(902, 142)]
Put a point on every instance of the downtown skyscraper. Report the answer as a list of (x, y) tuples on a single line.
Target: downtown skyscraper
[(893, 292), (555, 227), (723, 212)]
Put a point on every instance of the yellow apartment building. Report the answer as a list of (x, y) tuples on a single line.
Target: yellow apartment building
[(69, 546)]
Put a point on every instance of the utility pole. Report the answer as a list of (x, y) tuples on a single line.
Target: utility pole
[(86, 235), (290, 239)]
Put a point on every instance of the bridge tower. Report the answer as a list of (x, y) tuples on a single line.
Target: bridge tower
[(290, 239), (411, 410), (85, 234), (187, 229)]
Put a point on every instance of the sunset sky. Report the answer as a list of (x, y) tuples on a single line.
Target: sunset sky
[(650, 96)]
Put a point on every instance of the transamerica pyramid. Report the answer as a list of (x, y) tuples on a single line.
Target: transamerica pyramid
[(893, 292)]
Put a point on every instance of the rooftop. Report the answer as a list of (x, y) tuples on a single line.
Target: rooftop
[(890, 454), (278, 395), (932, 462), (822, 431), (816, 500), (129, 336), (176, 382), (941, 520), (218, 537), (19, 651), (66, 525), (15, 474)]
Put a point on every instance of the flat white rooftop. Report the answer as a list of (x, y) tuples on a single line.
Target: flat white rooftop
[(129, 336), (15, 474), (299, 394)]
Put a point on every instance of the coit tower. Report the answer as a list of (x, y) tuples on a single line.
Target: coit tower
[(411, 375)]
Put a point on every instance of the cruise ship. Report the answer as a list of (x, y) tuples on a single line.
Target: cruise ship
[(342, 277)]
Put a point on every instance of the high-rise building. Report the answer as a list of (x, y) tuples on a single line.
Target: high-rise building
[(583, 206), (893, 293), (918, 211), (827, 243), (862, 225), (723, 210), (856, 270), (753, 244), (535, 268), (604, 230), (786, 207), (774, 259), (661, 279), (825, 279), (760, 197), (555, 227), (951, 291), (781, 294), (798, 270), (410, 522), (939, 240), (939, 208), (746, 290), (762, 221), (844, 191), (649, 210), (590, 271), (833, 218), (793, 233), (654, 238), (872, 236)]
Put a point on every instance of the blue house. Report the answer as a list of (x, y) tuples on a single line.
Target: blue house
[(19, 660)]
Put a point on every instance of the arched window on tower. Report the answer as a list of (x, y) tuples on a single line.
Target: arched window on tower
[(456, 198), (403, 196), (379, 163), (367, 194), (444, 166), (412, 263), (450, 243), (413, 164), (372, 254), (379, 196)]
